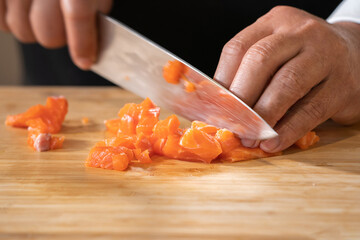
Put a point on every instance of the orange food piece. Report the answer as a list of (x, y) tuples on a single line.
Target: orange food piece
[(135, 118), (106, 157), (120, 161), (144, 157), (148, 117), (204, 127), (227, 140), (308, 140), (85, 120), (41, 121), (173, 149), (52, 114), (42, 141), (172, 146), (140, 134), (242, 153), (158, 146), (201, 144), (119, 140), (173, 71), (146, 104), (189, 86), (164, 128), (113, 125), (130, 109), (161, 131), (56, 142), (143, 142), (129, 117), (137, 153)]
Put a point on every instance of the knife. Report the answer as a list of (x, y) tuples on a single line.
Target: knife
[(135, 63)]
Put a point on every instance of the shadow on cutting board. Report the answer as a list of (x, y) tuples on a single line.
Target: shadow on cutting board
[(335, 149)]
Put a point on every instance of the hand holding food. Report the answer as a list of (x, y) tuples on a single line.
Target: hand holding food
[(296, 71)]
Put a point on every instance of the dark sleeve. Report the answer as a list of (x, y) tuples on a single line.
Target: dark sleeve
[(54, 67)]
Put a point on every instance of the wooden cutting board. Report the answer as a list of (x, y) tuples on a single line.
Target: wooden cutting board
[(312, 194)]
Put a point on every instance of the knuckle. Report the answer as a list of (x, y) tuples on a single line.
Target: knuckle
[(24, 35), (312, 23), (234, 47), (265, 18), (280, 10), (271, 14), (49, 34), (313, 28), (259, 53), (316, 110), (291, 82), (237, 90), (78, 10)]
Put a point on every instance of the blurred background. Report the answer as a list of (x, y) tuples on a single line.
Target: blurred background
[(194, 30), (10, 61)]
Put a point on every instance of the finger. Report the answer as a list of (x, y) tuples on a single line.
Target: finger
[(316, 107), (3, 26), (80, 23), (292, 82), (17, 19), (47, 23), (235, 49), (260, 63), (250, 143), (288, 85), (257, 67)]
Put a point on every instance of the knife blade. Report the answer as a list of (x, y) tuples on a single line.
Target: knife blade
[(135, 63)]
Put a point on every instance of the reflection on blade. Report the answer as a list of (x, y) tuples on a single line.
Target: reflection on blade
[(136, 64)]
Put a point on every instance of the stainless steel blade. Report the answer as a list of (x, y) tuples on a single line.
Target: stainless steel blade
[(135, 63)]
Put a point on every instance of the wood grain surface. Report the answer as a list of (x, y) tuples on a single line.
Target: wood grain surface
[(312, 194)]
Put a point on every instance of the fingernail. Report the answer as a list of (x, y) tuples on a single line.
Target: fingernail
[(84, 63), (270, 145), (250, 143)]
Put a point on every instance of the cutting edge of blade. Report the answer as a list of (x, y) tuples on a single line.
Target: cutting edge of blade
[(266, 133)]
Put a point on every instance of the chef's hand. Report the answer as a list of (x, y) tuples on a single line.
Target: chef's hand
[(53, 23), (296, 71)]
